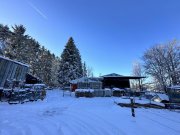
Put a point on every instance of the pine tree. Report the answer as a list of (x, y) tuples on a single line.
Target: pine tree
[(33, 56), (54, 70), (44, 65), (16, 48), (70, 64), (47, 67), (4, 36)]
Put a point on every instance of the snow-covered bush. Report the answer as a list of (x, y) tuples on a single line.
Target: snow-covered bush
[(84, 92), (118, 92)]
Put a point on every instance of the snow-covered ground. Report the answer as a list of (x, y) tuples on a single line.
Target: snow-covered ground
[(58, 115)]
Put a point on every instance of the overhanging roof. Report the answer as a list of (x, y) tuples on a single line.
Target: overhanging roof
[(84, 80), (7, 59), (114, 75)]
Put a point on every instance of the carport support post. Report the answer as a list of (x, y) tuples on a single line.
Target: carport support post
[(139, 84), (132, 107)]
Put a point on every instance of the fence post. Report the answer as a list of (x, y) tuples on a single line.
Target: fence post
[(132, 107)]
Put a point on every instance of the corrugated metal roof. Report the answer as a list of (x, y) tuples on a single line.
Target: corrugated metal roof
[(14, 61)]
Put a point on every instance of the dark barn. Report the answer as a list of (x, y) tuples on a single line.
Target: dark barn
[(114, 80)]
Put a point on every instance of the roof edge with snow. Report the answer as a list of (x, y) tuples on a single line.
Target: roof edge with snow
[(5, 58)]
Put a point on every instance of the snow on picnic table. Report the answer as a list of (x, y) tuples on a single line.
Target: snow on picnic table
[(126, 100), (58, 115)]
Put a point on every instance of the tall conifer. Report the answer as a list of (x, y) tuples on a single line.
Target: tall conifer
[(70, 65)]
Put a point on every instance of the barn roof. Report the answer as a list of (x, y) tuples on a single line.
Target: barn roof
[(176, 87), (5, 58), (114, 75), (163, 96), (83, 79)]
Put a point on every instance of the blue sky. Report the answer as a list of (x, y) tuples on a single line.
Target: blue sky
[(110, 34)]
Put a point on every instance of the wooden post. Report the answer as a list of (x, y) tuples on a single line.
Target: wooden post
[(132, 107)]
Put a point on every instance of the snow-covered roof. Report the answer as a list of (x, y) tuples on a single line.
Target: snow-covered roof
[(83, 79), (28, 84), (107, 89), (39, 84), (117, 89), (14, 61), (84, 90), (112, 75), (150, 93), (175, 87), (163, 97), (121, 76), (20, 90)]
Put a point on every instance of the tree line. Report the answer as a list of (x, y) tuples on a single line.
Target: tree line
[(17, 45), (161, 62)]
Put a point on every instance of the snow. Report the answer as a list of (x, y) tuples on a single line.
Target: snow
[(150, 93), (113, 75), (163, 97), (5, 58), (107, 89), (58, 115), (20, 90), (82, 79), (39, 84), (84, 90), (176, 87), (117, 89), (137, 100), (28, 85)]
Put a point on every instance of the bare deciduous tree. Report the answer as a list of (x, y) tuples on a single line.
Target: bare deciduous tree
[(137, 71), (162, 62), (90, 71)]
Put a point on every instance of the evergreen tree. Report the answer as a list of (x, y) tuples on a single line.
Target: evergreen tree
[(45, 65), (4, 36), (54, 70), (33, 56), (17, 48), (70, 64)]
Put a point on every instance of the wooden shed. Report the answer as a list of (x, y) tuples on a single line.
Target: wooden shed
[(11, 70)]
